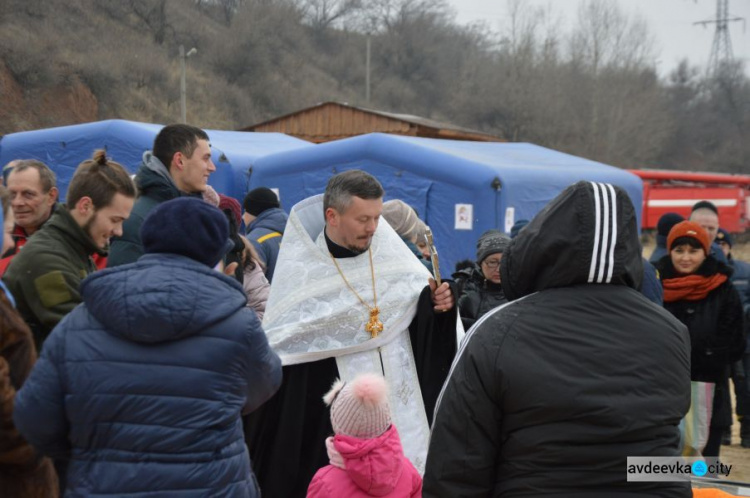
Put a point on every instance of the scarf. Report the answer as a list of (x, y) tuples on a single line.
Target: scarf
[(691, 287)]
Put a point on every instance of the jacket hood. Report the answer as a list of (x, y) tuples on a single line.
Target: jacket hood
[(375, 465), (587, 234), (153, 179), (161, 297), (271, 219)]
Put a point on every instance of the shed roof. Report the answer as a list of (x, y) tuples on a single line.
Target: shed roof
[(334, 120)]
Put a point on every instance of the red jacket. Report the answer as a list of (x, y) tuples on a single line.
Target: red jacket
[(374, 467)]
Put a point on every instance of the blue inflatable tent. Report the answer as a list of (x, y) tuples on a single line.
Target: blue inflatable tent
[(459, 188), (64, 148)]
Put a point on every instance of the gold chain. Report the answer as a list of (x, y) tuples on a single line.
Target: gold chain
[(374, 326)]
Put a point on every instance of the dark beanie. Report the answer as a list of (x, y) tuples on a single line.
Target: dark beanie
[(259, 199), (666, 222), (517, 226), (705, 205), (724, 236), (187, 226), (491, 242)]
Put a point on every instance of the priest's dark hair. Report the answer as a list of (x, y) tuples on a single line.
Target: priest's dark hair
[(353, 183)]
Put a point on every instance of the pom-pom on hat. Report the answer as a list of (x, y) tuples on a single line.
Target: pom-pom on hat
[(260, 199), (689, 229), (187, 226), (360, 408)]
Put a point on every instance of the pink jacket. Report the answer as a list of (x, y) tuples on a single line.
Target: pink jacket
[(374, 467)]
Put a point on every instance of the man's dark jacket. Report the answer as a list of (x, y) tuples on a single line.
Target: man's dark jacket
[(155, 186), (44, 277), (550, 393)]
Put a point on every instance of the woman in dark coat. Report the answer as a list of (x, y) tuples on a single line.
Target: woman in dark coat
[(486, 293), (697, 291)]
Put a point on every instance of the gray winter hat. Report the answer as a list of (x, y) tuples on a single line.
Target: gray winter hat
[(491, 242), (402, 218)]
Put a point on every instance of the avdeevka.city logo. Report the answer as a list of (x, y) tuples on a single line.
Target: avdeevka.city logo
[(642, 469), (699, 468)]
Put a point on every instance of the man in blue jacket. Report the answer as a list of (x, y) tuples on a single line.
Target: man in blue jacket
[(142, 386), (265, 221)]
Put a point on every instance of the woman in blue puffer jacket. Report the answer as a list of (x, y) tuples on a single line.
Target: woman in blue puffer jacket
[(141, 387)]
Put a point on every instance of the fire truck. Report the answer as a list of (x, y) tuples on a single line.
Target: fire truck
[(676, 192)]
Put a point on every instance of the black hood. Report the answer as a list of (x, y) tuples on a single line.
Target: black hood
[(587, 234)]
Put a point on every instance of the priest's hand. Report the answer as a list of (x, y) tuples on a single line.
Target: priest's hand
[(442, 297)]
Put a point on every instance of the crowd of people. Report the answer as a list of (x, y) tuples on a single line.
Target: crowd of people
[(158, 338)]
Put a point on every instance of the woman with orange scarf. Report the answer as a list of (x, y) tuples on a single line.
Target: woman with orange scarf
[(697, 291)]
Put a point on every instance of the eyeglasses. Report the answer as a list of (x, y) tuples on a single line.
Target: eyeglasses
[(492, 264)]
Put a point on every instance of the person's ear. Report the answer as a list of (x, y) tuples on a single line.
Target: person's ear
[(84, 206), (53, 194)]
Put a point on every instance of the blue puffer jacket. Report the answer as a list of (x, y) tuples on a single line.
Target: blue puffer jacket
[(141, 387), (265, 233)]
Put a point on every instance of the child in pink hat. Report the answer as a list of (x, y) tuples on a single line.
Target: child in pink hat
[(373, 459)]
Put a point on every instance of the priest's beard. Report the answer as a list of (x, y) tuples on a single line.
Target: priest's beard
[(358, 250)]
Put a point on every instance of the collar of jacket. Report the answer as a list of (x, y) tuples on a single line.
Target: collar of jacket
[(19, 233), (64, 222), (153, 179)]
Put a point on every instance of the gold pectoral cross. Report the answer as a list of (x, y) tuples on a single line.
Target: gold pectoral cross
[(374, 326)]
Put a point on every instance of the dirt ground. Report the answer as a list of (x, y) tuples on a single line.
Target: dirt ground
[(734, 455)]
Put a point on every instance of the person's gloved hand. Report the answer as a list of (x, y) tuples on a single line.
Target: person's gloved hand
[(334, 457)]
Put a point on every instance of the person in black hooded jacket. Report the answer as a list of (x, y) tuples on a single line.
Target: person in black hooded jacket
[(551, 392)]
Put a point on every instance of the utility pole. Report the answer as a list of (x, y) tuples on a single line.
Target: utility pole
[(367, 69), (721, 50), (183, 84)]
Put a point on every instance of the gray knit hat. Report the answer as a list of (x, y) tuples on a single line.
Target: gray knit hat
[(402, 218), (491, 242), (360, 408)]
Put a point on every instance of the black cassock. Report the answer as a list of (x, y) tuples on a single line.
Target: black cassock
[(286, 436)]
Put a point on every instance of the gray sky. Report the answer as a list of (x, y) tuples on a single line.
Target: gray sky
[(670, 22)]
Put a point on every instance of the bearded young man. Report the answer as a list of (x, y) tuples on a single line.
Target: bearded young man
[(45, 276), (348, 297)]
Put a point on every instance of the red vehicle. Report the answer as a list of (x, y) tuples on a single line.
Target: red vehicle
[(676, 192)]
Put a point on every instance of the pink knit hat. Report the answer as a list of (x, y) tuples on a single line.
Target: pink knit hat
[(359, 408)]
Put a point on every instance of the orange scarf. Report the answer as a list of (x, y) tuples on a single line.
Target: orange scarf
[(691, 287)]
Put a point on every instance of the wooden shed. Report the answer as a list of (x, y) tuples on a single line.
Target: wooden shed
[(333, 120)]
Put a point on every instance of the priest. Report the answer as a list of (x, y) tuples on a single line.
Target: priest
[(348, 297)]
